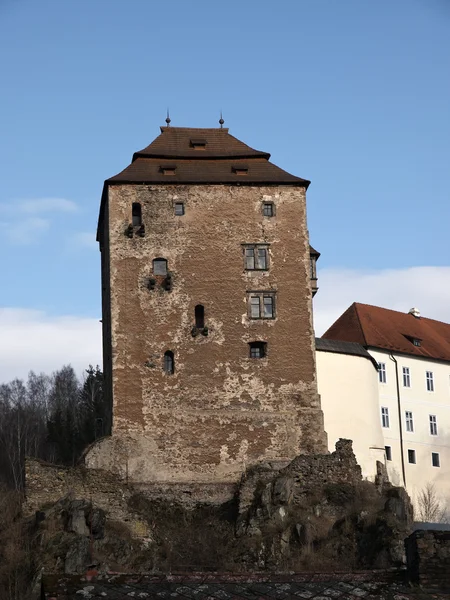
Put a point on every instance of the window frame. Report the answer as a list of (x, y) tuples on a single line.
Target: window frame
[(267, 205), (430, 381), (261, 296), (382, 378), (412, 460), (409, 421), (432, 420), (258, 264), (177, 204), (385, 422), (259, 347), (435, 459), (406, 377), (160, 261)]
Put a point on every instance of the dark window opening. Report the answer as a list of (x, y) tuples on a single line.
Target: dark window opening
[(168, 169), (268, 209), (159, 266), (435, 459), (200, 316), (136, 213), (412, 457), (258, 349), (179, 209), (198, 144), (388, 451), (240, 170), (169, 363)]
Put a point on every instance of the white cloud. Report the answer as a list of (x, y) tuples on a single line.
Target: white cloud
[(83, 239), (33, 340), (26, 231), (44, 205), (427, 288)]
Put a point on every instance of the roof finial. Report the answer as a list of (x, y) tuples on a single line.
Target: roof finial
[(168, 118), (221, 121)]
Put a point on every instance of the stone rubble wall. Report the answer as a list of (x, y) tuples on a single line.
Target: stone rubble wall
[(428, 558)]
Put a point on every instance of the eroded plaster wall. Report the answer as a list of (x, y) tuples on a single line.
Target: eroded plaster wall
[(221, 410)]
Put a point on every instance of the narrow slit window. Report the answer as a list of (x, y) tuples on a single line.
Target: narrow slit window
[(179, 209), (258, 349), (159, 266), (169, 363), (435, 460), (199, 316), (136, 212), (412, 457), (388, 451), (385, 416)]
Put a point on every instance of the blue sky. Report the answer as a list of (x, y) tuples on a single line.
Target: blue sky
[(351, 94)]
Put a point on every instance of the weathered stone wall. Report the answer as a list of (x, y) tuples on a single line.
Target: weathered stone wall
[(428, 558), (221, 411)]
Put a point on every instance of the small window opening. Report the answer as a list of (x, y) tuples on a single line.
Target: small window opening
[(159, 266), (388, 451), (198, 144), (169, 362), (240, 170), (412, 457), (136, 213), (168, 169), (258, 349), (416, 342), (179, 209), (435, 461), (268, 210), (200, 316)]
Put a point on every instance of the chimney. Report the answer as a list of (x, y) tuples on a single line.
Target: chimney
[(415, 312)]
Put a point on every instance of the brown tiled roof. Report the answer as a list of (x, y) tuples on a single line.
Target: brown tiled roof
[(376, 327), (214, 162)]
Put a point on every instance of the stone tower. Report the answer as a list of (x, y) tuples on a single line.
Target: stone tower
[(207, 327)]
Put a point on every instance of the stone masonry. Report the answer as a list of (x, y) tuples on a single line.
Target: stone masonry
[(219, 410)]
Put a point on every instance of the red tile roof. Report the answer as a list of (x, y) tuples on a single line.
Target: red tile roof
[(217, 160), (376, 327)]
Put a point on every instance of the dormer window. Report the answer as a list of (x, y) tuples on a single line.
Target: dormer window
[(240, 170), (414, 340), (168, 169), (198, 144)]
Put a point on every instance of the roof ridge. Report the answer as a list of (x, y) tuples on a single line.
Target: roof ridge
[(359, 323)]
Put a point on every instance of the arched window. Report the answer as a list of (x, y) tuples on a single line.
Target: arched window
[(159, 266), (199, 316), (169, 362), (136, 213)]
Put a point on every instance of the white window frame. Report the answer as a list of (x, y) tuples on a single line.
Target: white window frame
[(385, 417), (382, 372), (430, 381), (409, 421), (406, 377), (433, 425)]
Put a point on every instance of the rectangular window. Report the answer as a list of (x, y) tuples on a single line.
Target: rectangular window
[(261, 305), (179, 209), (385, 416), (430, 382), (435, 461), (406, 377), (388, 451), (258, 349), (256, 257), (255, 309), (433, 425), (268, 209), (409, 421), (382, 372), (412, 457)]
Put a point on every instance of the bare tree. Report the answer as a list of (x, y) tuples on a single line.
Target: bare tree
[(431, 509)]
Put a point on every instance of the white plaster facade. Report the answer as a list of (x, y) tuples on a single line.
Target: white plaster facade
[(422, 403), (348, 386)]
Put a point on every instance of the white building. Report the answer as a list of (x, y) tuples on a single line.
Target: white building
[(347, 379), (413, 354)]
